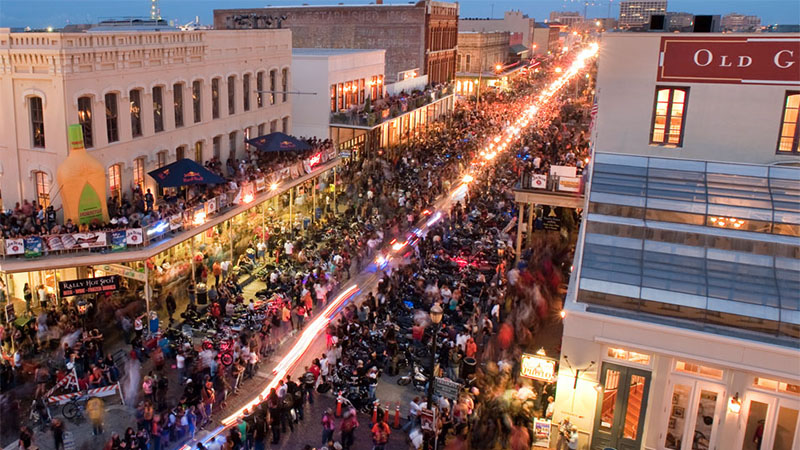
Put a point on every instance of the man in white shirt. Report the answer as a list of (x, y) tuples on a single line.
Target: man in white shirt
[(288, 248), (413, 414)]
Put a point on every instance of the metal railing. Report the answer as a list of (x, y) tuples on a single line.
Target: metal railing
[(376, 117)]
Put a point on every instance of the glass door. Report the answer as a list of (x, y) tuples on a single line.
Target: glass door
[(770, 423), (621, 411), (694, 409)]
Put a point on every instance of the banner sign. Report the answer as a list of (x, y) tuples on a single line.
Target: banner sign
[(54, 242), (135, 236), (118, 243), (175, 222), (211, 207), (88, 285), (538, 368), (261, 184), (564, 171), (730, 59), (541, 433), (15, 246), (569, 184), (123, 271), (33, 247), (11, 314), (539, 181), (447, 388), (85, 240)]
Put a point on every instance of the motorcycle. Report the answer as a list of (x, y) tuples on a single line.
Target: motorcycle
[(418, 378)]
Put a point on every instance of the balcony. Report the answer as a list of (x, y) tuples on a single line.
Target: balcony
[(552, 190), (385, 110)]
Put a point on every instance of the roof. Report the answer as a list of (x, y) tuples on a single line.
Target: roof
[(541, 25), (711, 243), (518, 48), (332, 51)]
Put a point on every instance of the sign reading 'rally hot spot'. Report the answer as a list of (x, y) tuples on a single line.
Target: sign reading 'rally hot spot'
[(88, 285), (736, 59)]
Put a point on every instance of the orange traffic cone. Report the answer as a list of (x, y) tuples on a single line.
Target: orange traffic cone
[(339, 405), (375, 407), (397, 416)]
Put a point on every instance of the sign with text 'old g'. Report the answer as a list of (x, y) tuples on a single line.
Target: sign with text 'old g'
[(538, 368), (730, 59)]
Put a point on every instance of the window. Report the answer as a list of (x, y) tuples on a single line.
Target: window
[(197, 100), (42, 188), (85, 119), (374, 85), (333, 98), (231, 95), (136, 112), (696, 369), (215, 98), (362, 91), (112, 128), (162, 159), (380, 86), (285, 83), (790, 124), (246, 92), (36, 111), (232, 145), (115, 182), (198, 152), (261, 128), (177, 98), (180, 153), (246, 133), (138, 173), (775, 385), (272, 75), (217, 144), (285, 125), (468, 59), (273, 126), (668, 116), (259, 88), (625, 355), (158, 109), (342, 94)]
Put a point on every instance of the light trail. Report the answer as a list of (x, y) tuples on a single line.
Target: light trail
[(496, 146)]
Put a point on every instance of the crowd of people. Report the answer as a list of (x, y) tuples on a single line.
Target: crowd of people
[(394, 105), (462, 264)]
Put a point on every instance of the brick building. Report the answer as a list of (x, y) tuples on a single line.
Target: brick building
[(421, 36)]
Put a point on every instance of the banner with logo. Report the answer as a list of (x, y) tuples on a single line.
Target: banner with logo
[(118, 242), (564, 171), (85, 240), (15, 246), (134, 236), (541, 433), (88, 285), (54, 242), (569, 184), (211, 207), (539, 181), (33, 247), (261, 184), (222, 199), (175, 222)]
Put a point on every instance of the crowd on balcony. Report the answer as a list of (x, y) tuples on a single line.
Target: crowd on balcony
[(144, 207), (394, 105)]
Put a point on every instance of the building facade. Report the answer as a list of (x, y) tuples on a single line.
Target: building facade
[(679, 21), (143, 98), (568, 18), (340, 79), (681, 328), (481, 51), (740, 22), (419, 36), (637, 12), (514, 22), (546, 39)]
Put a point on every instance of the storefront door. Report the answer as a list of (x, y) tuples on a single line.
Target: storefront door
[(619, 421), (694, 409), (770, 422)]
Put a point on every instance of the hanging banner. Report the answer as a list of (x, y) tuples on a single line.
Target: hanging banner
[(211, 207), (538, 368), (564, 171), (539, 181), (118, 242), (175, 222), (88, 285), (123, 271), (54, 242), (569, 184), (261, 184), (541, 433), (87, 240), (33, 247), (15, 246), (134, 236)]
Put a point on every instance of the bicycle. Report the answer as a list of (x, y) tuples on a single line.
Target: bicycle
[(73, 409)]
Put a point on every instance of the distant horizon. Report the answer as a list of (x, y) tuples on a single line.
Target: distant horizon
[(40, 14)]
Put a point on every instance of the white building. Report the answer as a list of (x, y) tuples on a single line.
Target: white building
[(144, 97), (336, 79), (682, 328), (637, 12)]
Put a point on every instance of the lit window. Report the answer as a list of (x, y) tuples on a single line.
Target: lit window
[(198, 152), (196, 100), (136, 112), (246, 92), (333, 98), (231, 95), (177, 98), (42, 189), (259, 89), (158, 109), (790, 124), (626, 355), (115, 182), (778, 386), (668, 115), (138, 173), (37, 121), (85, 119), (215, 98), (285, 83), (112, 128), (696, 369)]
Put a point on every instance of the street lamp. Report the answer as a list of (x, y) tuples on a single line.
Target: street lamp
[(436, 317)]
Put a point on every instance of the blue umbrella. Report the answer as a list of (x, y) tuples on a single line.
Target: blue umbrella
[(183, 173), (278, 142)]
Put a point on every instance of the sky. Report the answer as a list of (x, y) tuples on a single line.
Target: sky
[(57, 13)]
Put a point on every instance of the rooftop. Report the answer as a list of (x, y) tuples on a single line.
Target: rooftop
[(332, 51)]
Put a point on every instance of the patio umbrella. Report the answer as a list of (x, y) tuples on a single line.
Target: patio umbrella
[(183, 173), (278, 142)]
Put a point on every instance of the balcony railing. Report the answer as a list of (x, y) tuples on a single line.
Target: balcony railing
[(398, 107)]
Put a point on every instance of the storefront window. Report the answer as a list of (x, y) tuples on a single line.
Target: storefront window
[(610, 393), (779, 386), (696, 369), (785, 429), (635, 395), (677, 417), (754, 428), (625, 355)]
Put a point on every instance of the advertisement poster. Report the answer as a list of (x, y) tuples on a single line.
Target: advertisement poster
[(54, 242), (33, 247), (569, 184), (134, 236), (211, 207), (118, 242), (89, 206), (86, 240), (88, 285), (261, 184), (541, 433), (539, 181), (15, 246)]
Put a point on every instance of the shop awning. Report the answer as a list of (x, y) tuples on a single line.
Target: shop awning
[(278, 142), (518, 49), (183, 173)]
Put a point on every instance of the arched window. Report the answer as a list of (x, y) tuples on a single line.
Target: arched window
[(136, 112), (259, 88), (215, 98), (42, 187), (196, 100), (246, 92), (85, 119), (138, 172), (231, 95), (115, 182), (112, 127), (36, 112), (285, 83)]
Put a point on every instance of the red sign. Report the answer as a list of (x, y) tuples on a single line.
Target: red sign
[(314, 160), (738, 60)]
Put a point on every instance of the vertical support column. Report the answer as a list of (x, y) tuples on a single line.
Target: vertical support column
[(291, 206), (147, 295), (519, 230), (529, 240), (230, 237), (191, 258), (335, 210), (313, 199)]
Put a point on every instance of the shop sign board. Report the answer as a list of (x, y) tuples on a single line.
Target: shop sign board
[(84, 240), (564, 171), (261, 184), (551, 221), (541, 433), (569, 184), (123, 271), (447, 388), (426, 419), (539, 181), (538, 368), (175, 222), (135, 236), (15, 246), (88, 285), (730, 60)]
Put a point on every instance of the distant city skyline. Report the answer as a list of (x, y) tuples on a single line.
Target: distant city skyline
[(57, 13)]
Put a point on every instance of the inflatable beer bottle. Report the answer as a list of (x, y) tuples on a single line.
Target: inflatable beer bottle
[(82, 179)]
